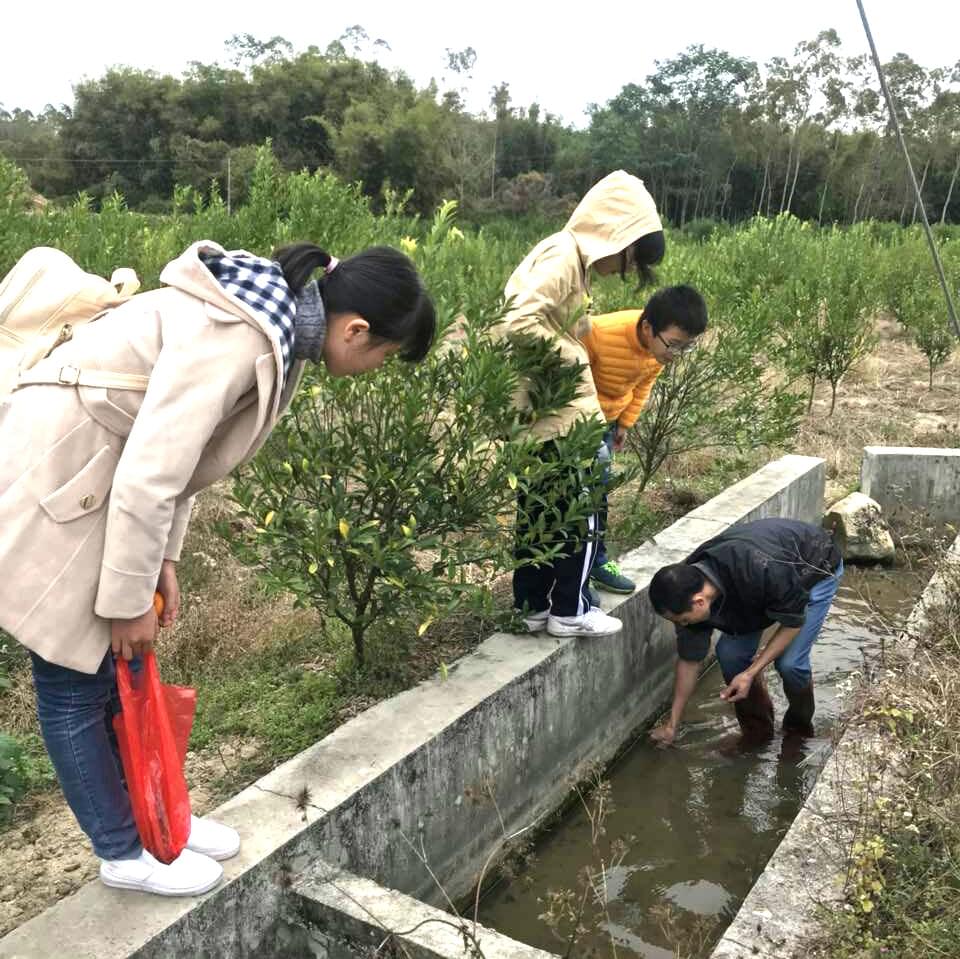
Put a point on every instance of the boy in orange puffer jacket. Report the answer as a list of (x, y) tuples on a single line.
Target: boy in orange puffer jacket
[(627, 351)]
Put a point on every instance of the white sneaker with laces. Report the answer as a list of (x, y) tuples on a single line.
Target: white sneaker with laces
[(190, 874), (594, 623), (213, 839), (536, 622)]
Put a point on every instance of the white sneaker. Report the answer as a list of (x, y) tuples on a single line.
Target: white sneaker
[(594, 623), (190, 874), (213, 839), (536, 622)]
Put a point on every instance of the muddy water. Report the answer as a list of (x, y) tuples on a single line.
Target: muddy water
[(705, 815)]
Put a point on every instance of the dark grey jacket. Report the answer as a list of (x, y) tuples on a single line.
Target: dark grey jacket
[(764, 571)]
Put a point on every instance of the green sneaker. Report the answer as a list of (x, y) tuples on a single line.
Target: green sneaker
[(610, 578)]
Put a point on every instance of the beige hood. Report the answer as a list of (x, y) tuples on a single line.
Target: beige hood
[(615, 212)]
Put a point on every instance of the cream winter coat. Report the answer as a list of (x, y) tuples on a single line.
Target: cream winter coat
[(550, 286), (96, 485)]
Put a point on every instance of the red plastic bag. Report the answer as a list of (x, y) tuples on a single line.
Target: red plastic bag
[(152, 732)]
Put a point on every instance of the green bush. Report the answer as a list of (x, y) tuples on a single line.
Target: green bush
[(913, 293), (24, 767), (703, 228), (375, 494)]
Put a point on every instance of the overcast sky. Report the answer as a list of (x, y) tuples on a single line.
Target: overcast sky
[(561, 55)]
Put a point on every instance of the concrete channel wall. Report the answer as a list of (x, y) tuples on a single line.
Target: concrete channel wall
[(913, 478), (427, 783)]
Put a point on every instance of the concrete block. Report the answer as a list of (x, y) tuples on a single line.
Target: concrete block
[(912, 478), (790, 486), (343, 913)]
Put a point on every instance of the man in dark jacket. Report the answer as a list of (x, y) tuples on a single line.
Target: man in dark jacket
[(750, 577)]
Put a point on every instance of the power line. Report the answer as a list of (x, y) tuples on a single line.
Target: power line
[(934, 252), (101, 160)]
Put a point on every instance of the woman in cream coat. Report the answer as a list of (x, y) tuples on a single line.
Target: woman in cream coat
[(614, 227), (96, 484)]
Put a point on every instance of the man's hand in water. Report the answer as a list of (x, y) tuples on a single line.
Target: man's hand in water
[(663, 735)]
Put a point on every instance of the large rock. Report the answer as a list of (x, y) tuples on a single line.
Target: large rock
[(859, 528)]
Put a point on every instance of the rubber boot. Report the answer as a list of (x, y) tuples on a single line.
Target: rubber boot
[(798, 719), (755, 714)]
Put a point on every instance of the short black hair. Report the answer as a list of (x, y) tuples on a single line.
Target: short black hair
[(680, 306), (673, 587), (380, 283), (648, 251)]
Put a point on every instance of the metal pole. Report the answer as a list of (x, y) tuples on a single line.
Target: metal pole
[(952, 313), (493, 161)]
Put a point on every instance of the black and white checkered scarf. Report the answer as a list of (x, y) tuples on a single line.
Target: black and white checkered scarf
[(260, 284)]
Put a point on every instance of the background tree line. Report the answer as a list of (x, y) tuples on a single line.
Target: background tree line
[(714, 135)]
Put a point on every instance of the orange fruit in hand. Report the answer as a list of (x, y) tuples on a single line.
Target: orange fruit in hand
[(158, 604)]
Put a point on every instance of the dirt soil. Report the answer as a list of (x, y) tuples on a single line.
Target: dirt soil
[(884, 400)]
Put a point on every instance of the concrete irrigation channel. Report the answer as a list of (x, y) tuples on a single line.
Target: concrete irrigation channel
[(408, 800)]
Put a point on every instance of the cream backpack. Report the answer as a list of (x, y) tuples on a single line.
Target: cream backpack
[(42, 300)]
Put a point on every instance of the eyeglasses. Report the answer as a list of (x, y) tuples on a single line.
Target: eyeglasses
[(678, 349)]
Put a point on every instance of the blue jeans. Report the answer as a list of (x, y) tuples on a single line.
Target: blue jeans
[(601, 556), (735, 653), (76, 713)]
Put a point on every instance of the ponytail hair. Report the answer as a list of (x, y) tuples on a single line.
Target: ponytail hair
[(298, 262), (380, 284)]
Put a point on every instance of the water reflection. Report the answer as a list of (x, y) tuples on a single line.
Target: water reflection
[(699, 896)]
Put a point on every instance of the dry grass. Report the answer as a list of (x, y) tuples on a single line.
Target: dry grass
[(883, 401)]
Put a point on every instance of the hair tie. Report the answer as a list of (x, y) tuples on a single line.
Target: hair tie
[(331, 266)]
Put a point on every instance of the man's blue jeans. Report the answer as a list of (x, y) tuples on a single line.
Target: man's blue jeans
[(735, 653), (76, 713)]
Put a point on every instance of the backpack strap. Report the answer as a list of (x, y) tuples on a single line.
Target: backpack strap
[(74, 376)]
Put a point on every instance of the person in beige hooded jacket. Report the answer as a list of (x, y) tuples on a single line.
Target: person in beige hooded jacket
[(96, 484), (614, 227)]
